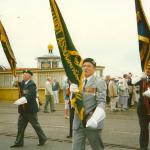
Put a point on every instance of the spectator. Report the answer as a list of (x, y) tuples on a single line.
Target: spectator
[(123, 93), (49, 98), (55, 88), (107, 79), (113, 94), (66, 93)]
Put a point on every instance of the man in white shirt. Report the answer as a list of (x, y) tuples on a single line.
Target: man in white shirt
[(55, 88), (49, 96)]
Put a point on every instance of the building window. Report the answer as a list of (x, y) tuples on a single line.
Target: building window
[(8, 81), (54, 64), (1, 81), (45, 65), (42, 80)]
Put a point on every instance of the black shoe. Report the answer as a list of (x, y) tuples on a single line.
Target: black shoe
[(15, 145), (42, 143), (68, 136)]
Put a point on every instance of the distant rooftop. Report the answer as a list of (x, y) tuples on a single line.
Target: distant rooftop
[(49, 55)]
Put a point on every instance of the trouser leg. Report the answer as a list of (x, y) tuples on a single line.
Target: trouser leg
[(144, 127), (125, 104), (57, 97), (52, 103), (46, 103), (113, 103), (94, 137), (22, 124), (129, 100), (54, 95), (33, 119), (144, 133), (78, 142), (71, 112)]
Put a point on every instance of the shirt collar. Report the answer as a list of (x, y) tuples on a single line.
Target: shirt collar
[(88, 78), (27, 82)]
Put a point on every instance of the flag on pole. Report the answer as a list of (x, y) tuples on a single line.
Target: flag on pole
[(70, 57), (7, 49), (143, 34)]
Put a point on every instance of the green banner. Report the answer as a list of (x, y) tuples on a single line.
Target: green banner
[(70, 57)]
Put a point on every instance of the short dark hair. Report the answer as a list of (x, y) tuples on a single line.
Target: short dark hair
[(90, 60)]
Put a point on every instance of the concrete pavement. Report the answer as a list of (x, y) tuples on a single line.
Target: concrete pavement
[(121, 129)]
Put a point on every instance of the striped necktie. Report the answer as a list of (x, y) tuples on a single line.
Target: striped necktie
[(85, 82)]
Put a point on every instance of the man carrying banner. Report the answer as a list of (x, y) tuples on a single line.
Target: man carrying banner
[(27, 110), (88, 101), (93, 97), (143, 108)]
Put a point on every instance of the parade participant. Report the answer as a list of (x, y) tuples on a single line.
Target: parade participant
[(28, 111), (93, 97), (143, 109)]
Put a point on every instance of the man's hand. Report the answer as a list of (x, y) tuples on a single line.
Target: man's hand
[(143, 75), (147, 92), (97, 116), (74, 88), (21, 101), (91, 123), (136, 79), (14, 81)]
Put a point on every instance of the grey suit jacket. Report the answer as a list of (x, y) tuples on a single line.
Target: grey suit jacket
[(94, 95)]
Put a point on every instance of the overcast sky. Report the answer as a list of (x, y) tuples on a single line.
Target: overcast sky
[(105, 30)]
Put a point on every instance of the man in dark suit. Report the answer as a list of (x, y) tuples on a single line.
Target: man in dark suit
[(143, 110), (94, 98), (55, 88), (28, 111)]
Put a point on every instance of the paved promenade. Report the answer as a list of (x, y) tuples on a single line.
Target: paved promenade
[(121, 130)]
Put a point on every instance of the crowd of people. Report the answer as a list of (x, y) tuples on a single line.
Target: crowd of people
[(120, 93)]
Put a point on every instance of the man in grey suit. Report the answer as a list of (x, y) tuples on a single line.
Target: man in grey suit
[(94, 97)]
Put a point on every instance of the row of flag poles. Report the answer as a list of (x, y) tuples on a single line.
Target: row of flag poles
[(70, 57)]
